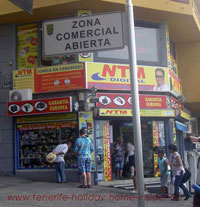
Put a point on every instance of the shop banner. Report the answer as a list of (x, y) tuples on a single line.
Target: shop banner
[(176, 105), (175, 84), (86, 122), (155, 143), (124, 101), (46, 126), (107, 153), (40, 106), (117, 77), (46, 118), (50, 79), (27, 43), (185, 115), (128, 112)]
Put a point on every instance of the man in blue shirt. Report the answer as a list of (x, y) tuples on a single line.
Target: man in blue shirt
[(83, 148)]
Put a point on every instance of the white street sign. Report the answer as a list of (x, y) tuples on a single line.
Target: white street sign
[(83, 34)]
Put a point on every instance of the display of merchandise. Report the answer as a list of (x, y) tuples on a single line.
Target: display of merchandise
[(34, 143)]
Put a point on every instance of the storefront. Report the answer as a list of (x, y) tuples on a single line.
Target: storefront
[(107, 72), (39, 135), (42, 124), (115, 120)]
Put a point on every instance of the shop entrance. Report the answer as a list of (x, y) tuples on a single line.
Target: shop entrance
[(125, 130), (107, 133)]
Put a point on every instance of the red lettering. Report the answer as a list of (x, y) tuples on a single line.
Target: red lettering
[(123, 70), (112, 71), (107, 69), (141, 73)]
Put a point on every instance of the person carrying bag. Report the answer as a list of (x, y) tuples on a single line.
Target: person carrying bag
[(187, 174)]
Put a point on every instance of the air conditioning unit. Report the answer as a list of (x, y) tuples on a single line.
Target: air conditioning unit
[(20, 95)]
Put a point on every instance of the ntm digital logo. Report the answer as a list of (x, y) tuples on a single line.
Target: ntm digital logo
[(117, 73)]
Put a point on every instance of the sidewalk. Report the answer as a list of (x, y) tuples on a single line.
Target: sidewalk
[(25, 193)]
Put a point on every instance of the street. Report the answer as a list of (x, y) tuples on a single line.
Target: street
[(18, 192)]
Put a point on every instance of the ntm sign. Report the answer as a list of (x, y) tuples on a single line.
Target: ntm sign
[(83, 34)]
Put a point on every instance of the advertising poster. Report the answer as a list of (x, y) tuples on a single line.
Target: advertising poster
[(40, 106), (23, 79), (175, 84), (107, 153), (117, 77), (155, 143), (86, 122), (50, 79), (27, 42), (59, 78)]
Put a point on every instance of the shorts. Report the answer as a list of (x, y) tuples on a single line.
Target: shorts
[(164, 179), (120, 165), (131, 160), (84, 165)]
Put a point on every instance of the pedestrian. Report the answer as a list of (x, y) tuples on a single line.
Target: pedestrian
[(119, 151), (59, 163), (155, 149), (178, 171), (83, 148), (164, 168), (131, 158), (196, 198)]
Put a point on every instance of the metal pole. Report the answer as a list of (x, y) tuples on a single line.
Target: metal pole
[(135, 104)]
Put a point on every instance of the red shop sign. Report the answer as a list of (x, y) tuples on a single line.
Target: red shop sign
[(124, 101), (42, 106)]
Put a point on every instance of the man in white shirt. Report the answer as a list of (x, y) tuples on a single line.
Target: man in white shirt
[(59, 163), (160, 79), (196, 199)]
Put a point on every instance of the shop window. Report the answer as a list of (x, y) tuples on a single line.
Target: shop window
[(149, 48), (35, 141)]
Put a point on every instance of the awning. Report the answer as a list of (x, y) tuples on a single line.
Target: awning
[(181, 127)]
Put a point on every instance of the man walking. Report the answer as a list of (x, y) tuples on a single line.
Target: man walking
[(83, 148), (59, 163)]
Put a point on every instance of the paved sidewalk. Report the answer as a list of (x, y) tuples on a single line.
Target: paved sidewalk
[(27, 193)]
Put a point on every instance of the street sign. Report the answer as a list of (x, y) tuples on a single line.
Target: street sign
[(83, 34)]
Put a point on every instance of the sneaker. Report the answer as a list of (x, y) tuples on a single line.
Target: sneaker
[(134, 191), (131, 176)]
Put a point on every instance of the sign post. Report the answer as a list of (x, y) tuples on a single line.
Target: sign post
[(135, 106)]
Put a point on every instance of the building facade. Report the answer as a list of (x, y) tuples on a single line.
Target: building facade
[(66, 87)]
